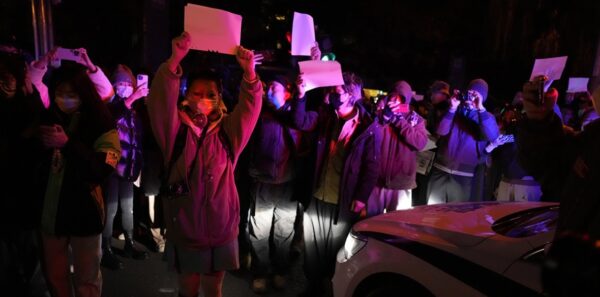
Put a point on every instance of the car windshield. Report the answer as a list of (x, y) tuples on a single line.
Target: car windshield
[(527, 223)]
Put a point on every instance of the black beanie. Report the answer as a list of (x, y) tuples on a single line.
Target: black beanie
[(480, 86)]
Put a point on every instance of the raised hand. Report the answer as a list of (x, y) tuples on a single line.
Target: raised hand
[(139, 92), (531, 104), (454, 102), (180, 46), (397, 107), (315, 52), (44, 60), (477, 101), (246, 59), (301, 85), (85, 60)]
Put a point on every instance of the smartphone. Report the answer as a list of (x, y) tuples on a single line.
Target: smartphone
[(68, 54), (142, 80)]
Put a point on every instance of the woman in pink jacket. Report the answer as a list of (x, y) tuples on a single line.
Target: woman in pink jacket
[(201, 145)]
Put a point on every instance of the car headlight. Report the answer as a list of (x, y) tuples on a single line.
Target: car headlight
[(354, 243)]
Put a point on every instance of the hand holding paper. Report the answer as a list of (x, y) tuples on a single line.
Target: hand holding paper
[(321, 74), (247, 61), (315, 52), (303, 34), (180, 46), (300, 86)]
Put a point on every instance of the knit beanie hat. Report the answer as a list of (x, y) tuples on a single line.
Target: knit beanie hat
[(283, 80), (123, 74), (480, 86), (439, 86), (403, 88)]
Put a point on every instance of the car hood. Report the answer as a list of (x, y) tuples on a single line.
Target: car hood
[(460, 224)]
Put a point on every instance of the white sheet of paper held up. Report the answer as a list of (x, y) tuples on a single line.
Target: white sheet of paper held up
[(550, 67), (321, 74), (578, 84), (303, 34), (213, 29)]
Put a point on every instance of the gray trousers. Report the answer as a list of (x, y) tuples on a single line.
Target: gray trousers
[(445, 187), (323, 238), (272, 224)]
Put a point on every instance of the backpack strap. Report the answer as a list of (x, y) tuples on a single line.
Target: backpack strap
[(226, 143)]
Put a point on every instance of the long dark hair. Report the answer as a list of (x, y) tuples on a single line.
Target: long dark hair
[(91, 103)]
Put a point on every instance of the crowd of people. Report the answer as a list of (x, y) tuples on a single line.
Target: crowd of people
[(283, 170)]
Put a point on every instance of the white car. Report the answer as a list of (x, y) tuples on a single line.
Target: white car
[(454, 249)]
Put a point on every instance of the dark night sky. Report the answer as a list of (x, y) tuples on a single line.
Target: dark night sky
[(382, 41)]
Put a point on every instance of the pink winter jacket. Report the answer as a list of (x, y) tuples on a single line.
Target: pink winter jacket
[(209, 215)]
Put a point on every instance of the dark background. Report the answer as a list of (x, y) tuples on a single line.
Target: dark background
[(382, 41)]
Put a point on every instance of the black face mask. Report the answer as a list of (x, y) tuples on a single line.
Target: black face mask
[(335, 100)]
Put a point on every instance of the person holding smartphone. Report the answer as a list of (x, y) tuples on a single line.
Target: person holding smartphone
[(404, 134), (118, 189), (81, 149)]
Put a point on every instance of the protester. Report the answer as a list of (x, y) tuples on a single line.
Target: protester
[(566, 164), (118, 189), (20, 150), (347, 158), (464, 131), (404, 134), (81, 150), (201, 146), (273, 147)]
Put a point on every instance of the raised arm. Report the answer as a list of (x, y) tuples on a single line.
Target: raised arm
[(445, 124), (241, 122), (97, 76), (411, 130), (162, 99), (546, 150), (303, 120)]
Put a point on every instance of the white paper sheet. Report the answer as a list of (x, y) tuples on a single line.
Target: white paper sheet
[(578, 84), (303, 34), (213, 29), (550, 67), (321, 74)]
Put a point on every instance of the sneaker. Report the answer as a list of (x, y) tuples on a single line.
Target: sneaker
[(259, 285), (279, 282)]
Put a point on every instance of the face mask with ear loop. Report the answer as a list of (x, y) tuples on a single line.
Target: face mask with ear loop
[(199, 119)]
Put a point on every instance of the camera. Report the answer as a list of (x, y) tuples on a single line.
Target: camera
[(465, 97)]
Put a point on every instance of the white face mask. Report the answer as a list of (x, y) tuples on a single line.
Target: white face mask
[(67, 104), (124, 91)]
